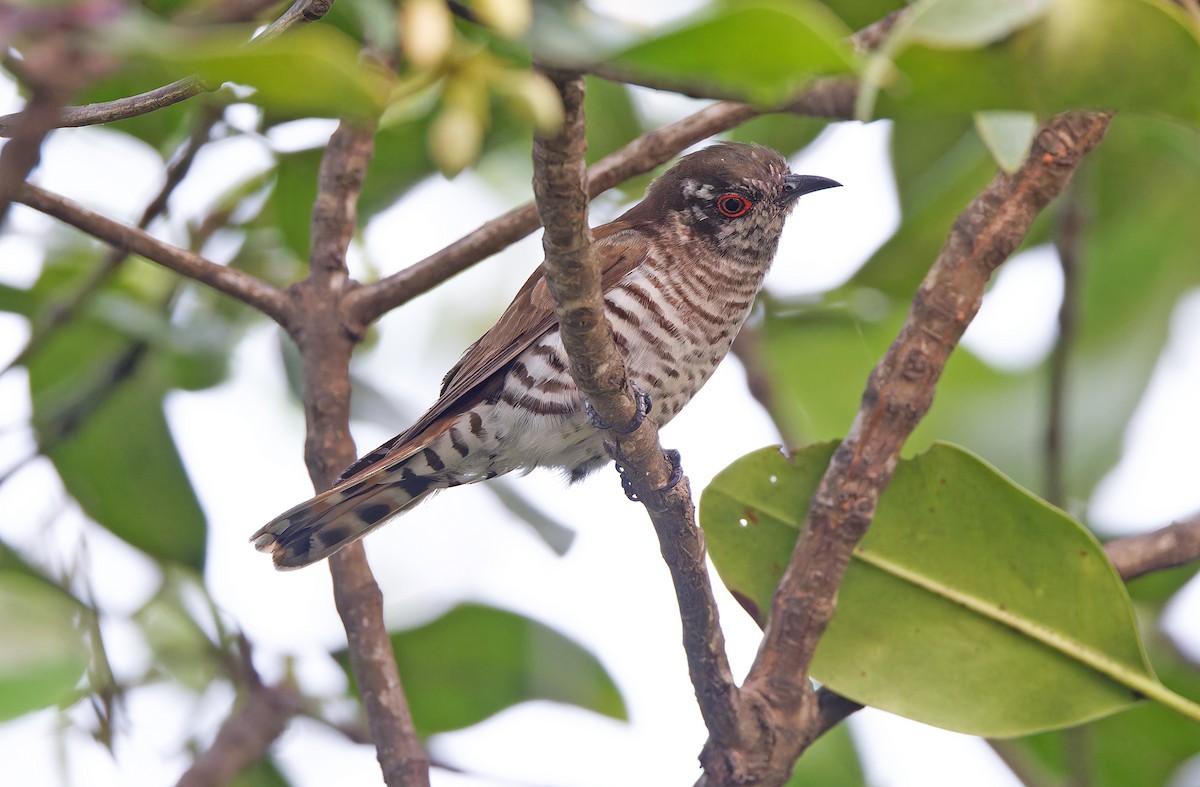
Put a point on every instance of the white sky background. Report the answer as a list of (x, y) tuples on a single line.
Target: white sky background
[(611, 592)]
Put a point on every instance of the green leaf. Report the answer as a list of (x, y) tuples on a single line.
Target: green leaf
[(312, 71), (42, 653), (181, 648), (612, 119), (1042, 57), (1008, 135), (831, 760), (785, 133), (98, 411), (967, 23), (763, 51), (122, 467), (970, 605), (475, 661), (262, 773)]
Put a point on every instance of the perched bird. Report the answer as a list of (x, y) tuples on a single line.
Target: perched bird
[(681, 270)]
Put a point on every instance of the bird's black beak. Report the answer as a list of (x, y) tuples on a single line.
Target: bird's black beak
[(795, 186)]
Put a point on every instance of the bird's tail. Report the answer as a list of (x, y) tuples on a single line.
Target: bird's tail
[(321, 526)]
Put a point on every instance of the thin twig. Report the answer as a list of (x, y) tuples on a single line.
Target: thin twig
[(899, 392), (1168, 547), (1066, 240), (1069, 229), (118, 109), (233, 282), (573, 276), (325, 347), (180, 90)]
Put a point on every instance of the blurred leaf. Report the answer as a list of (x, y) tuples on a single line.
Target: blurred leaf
[(785, 133), (1159, 587), (1044, 57), (860, 13), (940, 165), (1147, 744), (475, 661), (181, 648), (612, 120), (289, 206), (763, 51), (262, 773), (42, 653), (968, 23), (98, 411), (1008, 135), (970, 604), (312, 71), (831, 760), (122, 467), (401, 160), (572, 33)]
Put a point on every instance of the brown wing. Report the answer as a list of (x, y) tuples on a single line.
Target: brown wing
[(527, 318)]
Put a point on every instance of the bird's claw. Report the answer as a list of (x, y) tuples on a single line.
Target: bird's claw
[(672, 481), (643, 404)]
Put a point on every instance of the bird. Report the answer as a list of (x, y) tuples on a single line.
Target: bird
[(680, 273)]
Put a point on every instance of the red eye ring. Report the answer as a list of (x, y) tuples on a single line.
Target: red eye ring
[(733, 205)]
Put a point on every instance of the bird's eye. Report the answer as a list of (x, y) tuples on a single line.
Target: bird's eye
[(733, 205)]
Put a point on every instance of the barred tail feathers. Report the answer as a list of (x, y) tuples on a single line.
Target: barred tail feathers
[(321, 526)]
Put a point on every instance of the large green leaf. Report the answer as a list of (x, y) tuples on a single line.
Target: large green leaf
[(42, 652), (762, 51), (970, 605), (474, 661), (1043, 57)]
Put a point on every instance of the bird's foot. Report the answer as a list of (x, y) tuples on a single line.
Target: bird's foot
[(640, 398), (672, 481)]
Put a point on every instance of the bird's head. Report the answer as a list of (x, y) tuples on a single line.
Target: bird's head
[(732, 195)]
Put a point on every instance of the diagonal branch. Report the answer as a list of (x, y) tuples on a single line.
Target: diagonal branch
[(573, 275), (233, 282), (898, 394)]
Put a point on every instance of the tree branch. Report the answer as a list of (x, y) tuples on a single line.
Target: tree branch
[(898, 394), (325, 346), (233, 282), (573, 275), (244, 737), (1171, 546)]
